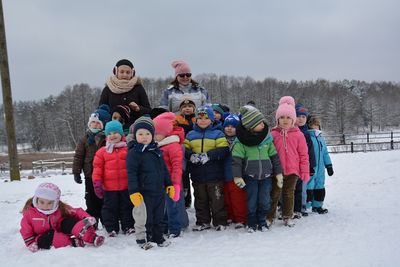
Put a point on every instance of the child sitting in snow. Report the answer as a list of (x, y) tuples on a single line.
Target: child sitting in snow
[(47, 222)]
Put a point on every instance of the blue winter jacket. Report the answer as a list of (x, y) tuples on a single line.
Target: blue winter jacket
[(322, 159)]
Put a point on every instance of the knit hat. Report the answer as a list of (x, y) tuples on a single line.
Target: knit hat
[(48, 191), (205, 111), (217, 108), (101, 114), (187, 101), (143, 122), (114, 126), (164, 123), (124, 111), (232, 120), (180, 67), (251, 117), (301, 110), (286, 108)]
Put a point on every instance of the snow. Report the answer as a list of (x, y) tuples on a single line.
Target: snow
[(361, 228)]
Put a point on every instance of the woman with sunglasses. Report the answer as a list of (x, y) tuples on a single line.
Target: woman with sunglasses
[(182, 87)]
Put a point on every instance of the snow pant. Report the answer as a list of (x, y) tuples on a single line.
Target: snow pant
[(93, 203), (258, 201), (315, 198), (176, 217), (187, 188), (209, 202), (117, 207), (235, 202), (289, 184), (304, 197), (298, 196)]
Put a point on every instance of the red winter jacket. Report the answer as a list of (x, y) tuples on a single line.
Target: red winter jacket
[(110, 168), (172, 148)]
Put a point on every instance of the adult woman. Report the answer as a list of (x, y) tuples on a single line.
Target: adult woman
[(183, 86), (124, 88)]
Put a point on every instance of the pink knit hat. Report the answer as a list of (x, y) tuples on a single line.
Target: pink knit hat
[(180, 67), (164, 123), (286, 108)]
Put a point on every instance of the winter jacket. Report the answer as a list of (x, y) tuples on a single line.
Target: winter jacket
[(311, 156), (258, 162), (172, 149), (34, 223), (292, 150), (173, 96), (110, 168), (186, 122), (84, 153), (212, 142), (146, 170), (322, 157)]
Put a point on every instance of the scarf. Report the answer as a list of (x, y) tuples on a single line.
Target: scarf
[(168, 140), (118, 86), (91, 134), (110, 146), (142, 147), (250, 138)]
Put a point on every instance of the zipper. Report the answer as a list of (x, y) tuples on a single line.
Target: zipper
[(259, 163), (202, 141)]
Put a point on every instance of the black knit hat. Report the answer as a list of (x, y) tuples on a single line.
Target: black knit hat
[(143, 122), (124, 111), (124, 62)]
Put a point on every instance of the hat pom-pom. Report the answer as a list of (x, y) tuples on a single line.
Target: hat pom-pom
[(287, 100)]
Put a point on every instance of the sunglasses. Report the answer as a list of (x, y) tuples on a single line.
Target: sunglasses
[(182, 75)]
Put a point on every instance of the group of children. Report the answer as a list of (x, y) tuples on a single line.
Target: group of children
[(137, 183)]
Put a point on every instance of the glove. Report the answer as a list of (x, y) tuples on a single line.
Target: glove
[(33, 247), (136, 199), (98, 189), (90, 221), (329, 169), (195, 158), (279, 180), (204, 158), (170, 191), (177, 192), (77, 178), (239, 182)]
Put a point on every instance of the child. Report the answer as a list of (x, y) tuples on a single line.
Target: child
[(316, 185), (255, 162), (48, 222), (122, 113), (218, 114), (300, 193), (111, 181), (186, 119), (84, 154), (206, 149), (148, 180), (292, 149), (169, 140), (234, 197)]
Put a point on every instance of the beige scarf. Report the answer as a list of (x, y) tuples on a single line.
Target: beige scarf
[(118, 86)]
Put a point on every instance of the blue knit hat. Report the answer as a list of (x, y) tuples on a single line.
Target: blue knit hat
[(231, 120), (207, 111), (301, 110), (143, 122), (114, 126), (101, 114)]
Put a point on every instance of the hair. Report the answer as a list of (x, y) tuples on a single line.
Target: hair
[(63, 207), (176, 83), (314, 120)]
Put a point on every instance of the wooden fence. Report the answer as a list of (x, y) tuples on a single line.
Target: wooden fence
[(43, 165)]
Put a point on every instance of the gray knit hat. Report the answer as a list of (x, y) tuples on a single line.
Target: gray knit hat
[(251, 117), (144, 122)]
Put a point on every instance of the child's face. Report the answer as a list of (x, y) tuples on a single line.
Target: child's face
[(124, 72), (45, 204), (230, 130), (114, 137), (301, 120), (217, 116), (159, 137), (95, 125), (203, 122), (285, 122), (259, 127), (187, 110), (315, 126), (117, 117), (143, 136)]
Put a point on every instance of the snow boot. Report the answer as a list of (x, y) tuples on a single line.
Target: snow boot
[(320, 210)]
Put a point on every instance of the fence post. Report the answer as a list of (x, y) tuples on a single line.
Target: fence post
[(352, 147), (62, 167), (343, 139), (367, 137), (391, 144), (391, 136)]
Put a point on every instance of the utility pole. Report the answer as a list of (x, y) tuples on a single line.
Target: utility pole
[(7, 102)]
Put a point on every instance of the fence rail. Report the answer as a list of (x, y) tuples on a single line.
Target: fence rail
[(343, 139), (44, 165)]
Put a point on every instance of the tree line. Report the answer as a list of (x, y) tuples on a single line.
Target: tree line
[(58, 122)]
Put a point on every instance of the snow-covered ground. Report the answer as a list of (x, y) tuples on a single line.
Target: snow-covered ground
[(362, 228)]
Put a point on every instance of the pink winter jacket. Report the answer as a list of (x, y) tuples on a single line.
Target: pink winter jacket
[(293, 152), (34, 224)]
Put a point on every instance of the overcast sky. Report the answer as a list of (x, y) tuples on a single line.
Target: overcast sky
[(52, 44)]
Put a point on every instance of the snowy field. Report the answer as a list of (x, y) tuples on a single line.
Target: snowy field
[(362, 228)]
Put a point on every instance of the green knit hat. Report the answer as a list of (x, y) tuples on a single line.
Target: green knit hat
[(250, 117)]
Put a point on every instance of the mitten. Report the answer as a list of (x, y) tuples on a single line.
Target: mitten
[(77, 178), (98, 189), (33, 247), (177, 192), (136, 199), (239, 182), (170, 191), (194, 158), (204, 158), (279, 180), (90, 221), (329, 169)]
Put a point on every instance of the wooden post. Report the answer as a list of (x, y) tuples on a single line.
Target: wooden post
[(7, 102), (352, 147)]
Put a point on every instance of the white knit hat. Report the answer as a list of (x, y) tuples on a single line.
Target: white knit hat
[(47, 191)]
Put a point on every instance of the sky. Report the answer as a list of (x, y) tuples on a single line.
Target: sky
[(53, 44)]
